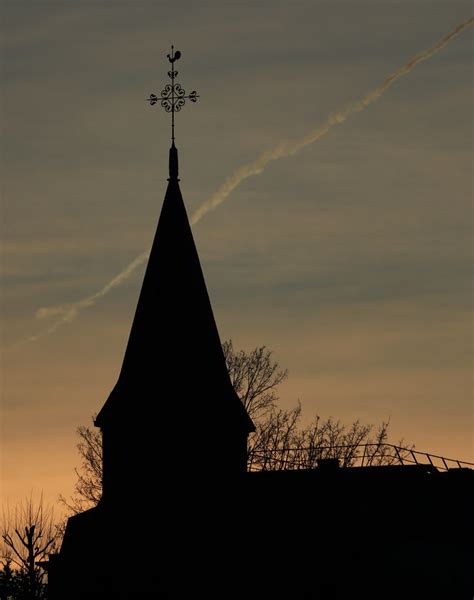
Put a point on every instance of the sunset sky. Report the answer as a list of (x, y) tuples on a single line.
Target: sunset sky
[(350, 259)]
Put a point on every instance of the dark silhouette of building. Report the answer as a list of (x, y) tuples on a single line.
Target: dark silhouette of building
[(181, 518), (171, 422), (174, 381)]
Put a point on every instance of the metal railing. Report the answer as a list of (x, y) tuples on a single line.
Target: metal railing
[(360, 455)]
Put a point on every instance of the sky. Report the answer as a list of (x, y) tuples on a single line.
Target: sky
[(350, 259)]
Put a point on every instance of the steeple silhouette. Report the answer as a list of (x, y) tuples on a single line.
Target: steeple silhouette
[(173, 385), (175, 483)]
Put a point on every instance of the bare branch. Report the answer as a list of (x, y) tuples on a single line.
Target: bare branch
[(28, 535), (255, 377)]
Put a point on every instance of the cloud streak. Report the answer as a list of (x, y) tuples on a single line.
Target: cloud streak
[(66, 313)]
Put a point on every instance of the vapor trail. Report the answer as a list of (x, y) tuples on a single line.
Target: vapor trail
[(68, 312), (285, 149)]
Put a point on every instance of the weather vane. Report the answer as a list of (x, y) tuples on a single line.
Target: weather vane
[(173, 97)]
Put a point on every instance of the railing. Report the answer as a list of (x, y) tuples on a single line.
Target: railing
[(361, 455)]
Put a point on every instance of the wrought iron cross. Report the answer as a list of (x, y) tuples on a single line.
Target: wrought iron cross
[(173, 97)]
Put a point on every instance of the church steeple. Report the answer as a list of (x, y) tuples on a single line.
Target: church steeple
[(173, 386), (174, 339)]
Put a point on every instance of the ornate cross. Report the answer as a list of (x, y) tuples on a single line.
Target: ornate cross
[(173, 97)]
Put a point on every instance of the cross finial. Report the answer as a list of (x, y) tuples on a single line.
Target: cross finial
[(173, 97)]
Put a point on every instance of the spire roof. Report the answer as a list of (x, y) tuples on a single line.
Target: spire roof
[(174, 359)]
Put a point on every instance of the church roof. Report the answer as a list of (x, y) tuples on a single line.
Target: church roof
[(174, 353)]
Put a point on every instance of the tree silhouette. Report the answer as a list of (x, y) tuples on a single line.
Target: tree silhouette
[(88, 486), (280, 442), (255, 377), (29, 534)]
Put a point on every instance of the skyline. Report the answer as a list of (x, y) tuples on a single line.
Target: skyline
[(361, 288)]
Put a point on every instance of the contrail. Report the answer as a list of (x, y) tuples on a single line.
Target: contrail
[(285, 149), (67, 312)]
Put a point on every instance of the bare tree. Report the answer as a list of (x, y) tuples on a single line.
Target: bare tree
[(88, 487), (279, 442), (255, 377), (272, 443), (29, 534)]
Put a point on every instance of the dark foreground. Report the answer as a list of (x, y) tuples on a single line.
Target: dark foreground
[(396, 532)]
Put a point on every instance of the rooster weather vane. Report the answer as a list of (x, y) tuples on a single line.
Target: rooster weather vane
[(173, 97)]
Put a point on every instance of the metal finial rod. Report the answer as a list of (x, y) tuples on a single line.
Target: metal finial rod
[(173, 97)]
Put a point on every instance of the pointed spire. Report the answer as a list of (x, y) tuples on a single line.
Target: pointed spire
[(174, 384), (174, 346)]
